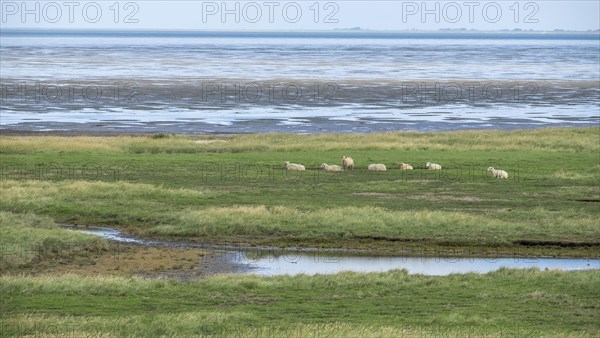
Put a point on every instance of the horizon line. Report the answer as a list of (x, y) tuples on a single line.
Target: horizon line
[(335, 30)]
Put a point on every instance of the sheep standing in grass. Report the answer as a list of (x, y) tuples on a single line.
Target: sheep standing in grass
[(405, 166), (328, 167), (433, 166), (347, 163), (501, 174), (293, 166), (377, 167)]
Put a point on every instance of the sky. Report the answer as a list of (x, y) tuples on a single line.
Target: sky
[(301, 15)]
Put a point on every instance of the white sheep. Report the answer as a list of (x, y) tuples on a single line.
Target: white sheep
[(347, 163), (405, 166), (501, 174), (328, 167), (377, 167), (433, 166), (293, 166)]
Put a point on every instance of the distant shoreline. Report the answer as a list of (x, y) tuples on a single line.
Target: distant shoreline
[(221, 134), (340, 33)]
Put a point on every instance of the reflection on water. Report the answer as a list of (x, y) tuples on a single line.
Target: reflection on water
[(311, 263), (273, 262)]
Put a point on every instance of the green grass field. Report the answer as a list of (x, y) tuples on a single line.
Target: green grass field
[(233, 190), (503, 303)]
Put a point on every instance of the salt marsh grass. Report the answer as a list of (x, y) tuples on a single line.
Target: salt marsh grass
[(506, 302), (546, 139), (34, 195), (495, 227), (551, 196), (28, 238)]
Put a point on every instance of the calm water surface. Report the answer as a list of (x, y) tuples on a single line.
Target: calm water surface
[(272, 262)]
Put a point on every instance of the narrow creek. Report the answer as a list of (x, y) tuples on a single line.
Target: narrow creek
[(279, 261)]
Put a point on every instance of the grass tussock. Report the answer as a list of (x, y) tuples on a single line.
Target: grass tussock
[(36, 196), (28, 239), (32, 189), (29, 144), (361, 222), (591, 173)]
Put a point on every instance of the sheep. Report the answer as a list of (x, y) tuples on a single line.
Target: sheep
[(347, 163), (405, 166), (328, 167), (501, 174), (433, 166), (377, 167), (293, 166)]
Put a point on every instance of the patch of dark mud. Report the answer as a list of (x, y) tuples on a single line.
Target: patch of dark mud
[(394, 239), (588, 200), (558, 243)]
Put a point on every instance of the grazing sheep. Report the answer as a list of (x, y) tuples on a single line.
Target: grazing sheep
[(501, 174), (347, 163), (328, 167), (433, 166), (293, 166), (377, 167), (405, 166)]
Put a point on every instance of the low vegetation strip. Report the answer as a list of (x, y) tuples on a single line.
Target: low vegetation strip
[(150, 210), (545, 139), (506, 302), (491, 228)]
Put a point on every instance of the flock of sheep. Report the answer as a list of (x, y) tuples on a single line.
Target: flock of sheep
[(348, 164)]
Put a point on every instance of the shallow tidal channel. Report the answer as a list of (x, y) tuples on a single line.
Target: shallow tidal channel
[(293, 261)]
